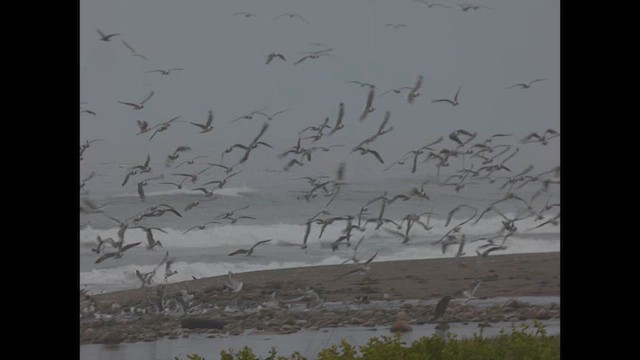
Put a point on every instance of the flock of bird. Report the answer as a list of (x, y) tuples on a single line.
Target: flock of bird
[(477, 160)]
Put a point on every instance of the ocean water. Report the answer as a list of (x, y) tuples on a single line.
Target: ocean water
[(279, 215)]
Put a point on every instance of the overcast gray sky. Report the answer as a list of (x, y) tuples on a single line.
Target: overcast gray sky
[(223, 55)]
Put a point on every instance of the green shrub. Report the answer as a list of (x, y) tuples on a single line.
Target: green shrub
[(526, 342)]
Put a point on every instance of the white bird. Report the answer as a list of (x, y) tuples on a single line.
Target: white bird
[(233, 285)]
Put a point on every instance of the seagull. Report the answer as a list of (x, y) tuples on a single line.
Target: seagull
[(118, 254), (271, 117), (291, 16), (105, 37), (368, 108), (249, 116), (165, 72), (455, 98), (190, 162), (254, 144), (541, 139), (167, 270), (314, 55), (143, 183), (101, 244), (89, 177), (137, 106), (200, 227), (143, 126), (222, 182), (455, 136), (133, 51), (396, 26), (371, 86), (151, 242), (525, 85), (233, 285), (163, 126), (441, 307), (362, 268), (250, 251), (179, 186), (245, 14), (206, 127), (431, 5), (87, 111), (272, 56), (396, 90), (172, 157), (364, 151), (414, 93), (467, 7)]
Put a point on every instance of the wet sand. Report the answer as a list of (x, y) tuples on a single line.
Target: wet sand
[(502, 276)]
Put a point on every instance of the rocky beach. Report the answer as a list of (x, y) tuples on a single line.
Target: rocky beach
[(322, 297)]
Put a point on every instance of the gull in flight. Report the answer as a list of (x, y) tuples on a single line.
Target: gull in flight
[(133, 51), (222, 182), (453, 102), (249, 116), (467, 7), (254, 144), (315, 55), (206, 127), (143, 126), (143, 183), (364, 151), (200, 227), (271, 117), (167, 269), (118, 254), (396, 26), (105, 37), (89, 177), (525, 85), (431, 5), (339, 125), (362, 268), (541, 139), (191, 161), (415, 91), (172, 157), (272, 56), (291, 16), (396, 90), (137, 106), (151, 242), (165, 72), (368, 108), (163, 126), (250, 250), (362, 84), (245, 14)]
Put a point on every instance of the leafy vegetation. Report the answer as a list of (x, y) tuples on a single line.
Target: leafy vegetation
[(526, 342)]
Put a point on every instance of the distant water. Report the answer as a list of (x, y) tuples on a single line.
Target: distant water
[(280, 216), (307, 342)]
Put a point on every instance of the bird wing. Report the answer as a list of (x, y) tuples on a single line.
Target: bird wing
[(260, 242), (148, 97), (101, 33), (370, 97), (209, 119), (264, 128), (128, 103), (105, 256), (455, 98), (302, 59), (129, 246), (443, 100), (128, 46)]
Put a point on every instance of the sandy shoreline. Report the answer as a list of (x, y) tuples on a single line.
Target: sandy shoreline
[(503, 276)]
